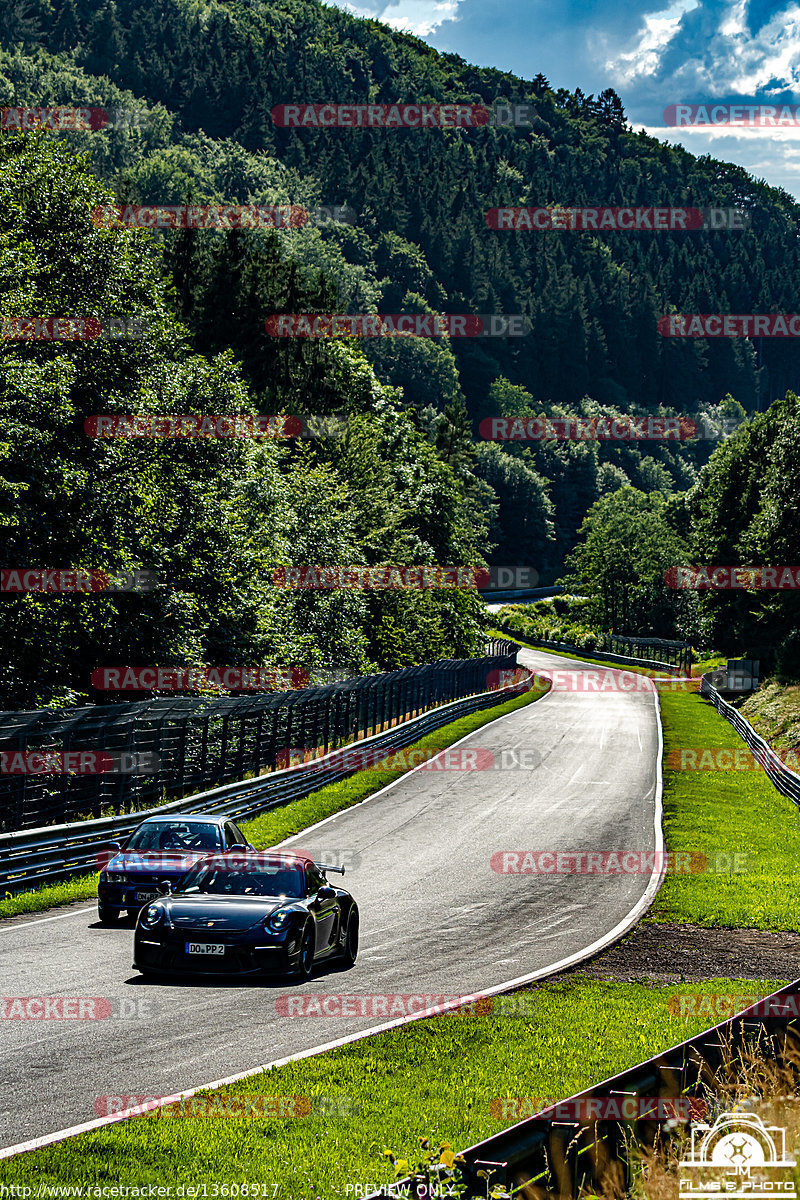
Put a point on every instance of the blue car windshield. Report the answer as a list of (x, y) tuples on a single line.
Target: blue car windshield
[(183, 836), (205, 879)]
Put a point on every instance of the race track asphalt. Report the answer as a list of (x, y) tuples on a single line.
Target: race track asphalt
[(577, 771)]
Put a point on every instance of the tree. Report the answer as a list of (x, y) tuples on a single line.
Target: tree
[(66, 32), (625, 550)]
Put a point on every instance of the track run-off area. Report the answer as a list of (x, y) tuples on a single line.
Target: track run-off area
[(576, 773)]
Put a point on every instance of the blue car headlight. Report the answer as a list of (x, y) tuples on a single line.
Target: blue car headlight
[(114, 877), (151, 916), (278, 920)]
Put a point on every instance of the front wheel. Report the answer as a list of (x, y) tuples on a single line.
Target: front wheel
[(306, 964), (107, 916), (351, 940)]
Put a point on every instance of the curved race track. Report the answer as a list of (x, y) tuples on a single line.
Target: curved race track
[(436, 918)]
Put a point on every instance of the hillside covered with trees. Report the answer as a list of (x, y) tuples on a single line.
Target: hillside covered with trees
[(412, 481)]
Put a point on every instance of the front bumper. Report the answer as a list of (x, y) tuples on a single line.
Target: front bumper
[(121, 896), (164, 953)]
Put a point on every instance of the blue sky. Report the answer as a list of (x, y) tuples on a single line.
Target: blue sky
[(652, 52)]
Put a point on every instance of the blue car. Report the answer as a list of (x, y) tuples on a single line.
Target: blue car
[(160, 851)]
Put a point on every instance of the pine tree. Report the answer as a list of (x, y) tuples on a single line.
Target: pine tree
[(67, 32), (106, 42), (25, 20)]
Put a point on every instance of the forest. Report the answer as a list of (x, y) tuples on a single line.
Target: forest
[(411, 478)]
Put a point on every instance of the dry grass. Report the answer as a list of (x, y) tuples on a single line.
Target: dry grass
[(754, 1083), (762, 1080), (774, 712)]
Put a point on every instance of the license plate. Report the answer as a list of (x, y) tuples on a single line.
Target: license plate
[(144, 896), (204, 948)]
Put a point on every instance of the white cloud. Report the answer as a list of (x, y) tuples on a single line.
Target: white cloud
[(771, 57), (659, 30), (774, 156), (420, 17), (717, 52)]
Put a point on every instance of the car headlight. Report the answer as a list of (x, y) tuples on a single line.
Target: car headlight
[(152, 915), (278, 920), (115, 877)]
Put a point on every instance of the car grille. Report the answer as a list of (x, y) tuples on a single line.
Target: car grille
[(236, 960)]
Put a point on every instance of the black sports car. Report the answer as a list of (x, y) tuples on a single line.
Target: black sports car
[(260, 912), (160, 849)]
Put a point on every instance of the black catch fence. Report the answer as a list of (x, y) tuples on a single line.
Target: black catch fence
[(58, 765)]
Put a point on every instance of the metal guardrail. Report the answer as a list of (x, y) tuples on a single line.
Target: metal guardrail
[(174, 745), (567, 648), (561, 1157), (57, 852), (562, 1152), (786, 781)]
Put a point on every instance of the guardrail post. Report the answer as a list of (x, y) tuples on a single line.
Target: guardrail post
[(327, 725)]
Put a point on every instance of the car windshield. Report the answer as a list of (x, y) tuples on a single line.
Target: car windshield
[(175, 835), (279, 879)]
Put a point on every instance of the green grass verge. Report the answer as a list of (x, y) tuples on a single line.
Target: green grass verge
[(280, 823), (733, 816), (435, 1077), (712, 663), (723, 813)]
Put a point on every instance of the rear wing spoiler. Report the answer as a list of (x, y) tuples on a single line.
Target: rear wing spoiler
[(325, 867)]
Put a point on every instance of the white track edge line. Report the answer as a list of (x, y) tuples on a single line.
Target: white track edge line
[(621, 928), (13, 923), (424, 765)]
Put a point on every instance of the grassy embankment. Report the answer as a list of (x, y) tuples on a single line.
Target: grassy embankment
[(439, 1076)]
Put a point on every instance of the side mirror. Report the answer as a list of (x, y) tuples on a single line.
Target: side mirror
[(165, 888), (239, 846), (326, 892), (114, 846)]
